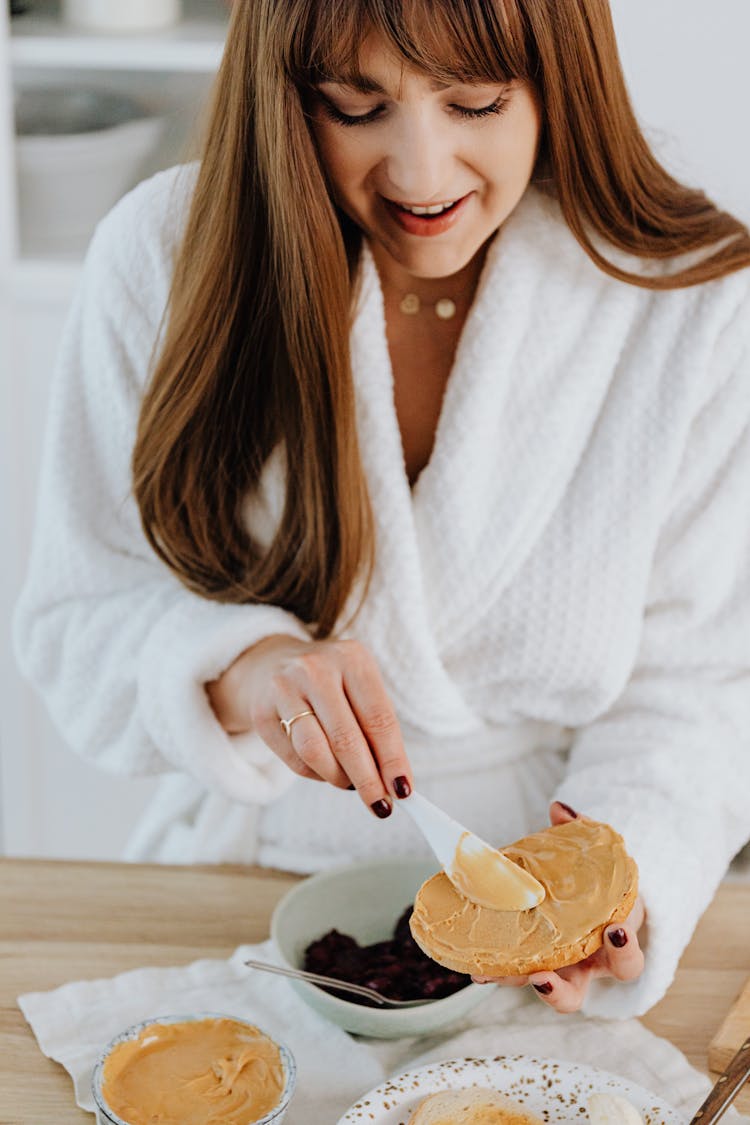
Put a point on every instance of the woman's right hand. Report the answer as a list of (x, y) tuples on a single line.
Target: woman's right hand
[(351, 740)]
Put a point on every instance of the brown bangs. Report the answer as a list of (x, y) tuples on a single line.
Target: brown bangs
[(463, 41)]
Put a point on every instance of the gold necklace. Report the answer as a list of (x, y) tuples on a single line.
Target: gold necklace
[(445, 308)]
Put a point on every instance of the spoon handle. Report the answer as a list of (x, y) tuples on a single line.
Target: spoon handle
[(726, 1088), (316, 978), (440, 831)]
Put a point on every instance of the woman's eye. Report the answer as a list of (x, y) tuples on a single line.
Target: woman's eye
[(337, 115), (498, 106)]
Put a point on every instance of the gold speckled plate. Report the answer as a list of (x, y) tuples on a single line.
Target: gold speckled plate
[(553, 1090)]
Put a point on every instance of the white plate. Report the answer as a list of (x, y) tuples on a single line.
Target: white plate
[(552, 1089)]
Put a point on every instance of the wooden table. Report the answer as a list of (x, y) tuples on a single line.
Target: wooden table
[(64, 921)]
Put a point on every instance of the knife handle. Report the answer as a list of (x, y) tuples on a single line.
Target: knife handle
[(726, 1088)]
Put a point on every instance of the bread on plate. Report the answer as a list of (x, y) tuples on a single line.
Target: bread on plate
[(472, 1106)]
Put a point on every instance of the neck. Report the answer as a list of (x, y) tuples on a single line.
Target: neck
[(396, 281)]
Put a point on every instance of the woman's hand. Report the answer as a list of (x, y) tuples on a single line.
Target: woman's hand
[(619, 957), (351, 739)]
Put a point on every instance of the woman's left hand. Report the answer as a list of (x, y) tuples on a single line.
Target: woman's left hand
[(620, 957)]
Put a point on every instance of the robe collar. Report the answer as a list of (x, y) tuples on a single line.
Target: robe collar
[(529, 376)]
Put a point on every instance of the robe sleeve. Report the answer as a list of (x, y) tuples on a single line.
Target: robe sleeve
[(669, 764), (118, 647)]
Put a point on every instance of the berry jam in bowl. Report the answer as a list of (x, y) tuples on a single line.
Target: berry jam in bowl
[(351, 923)]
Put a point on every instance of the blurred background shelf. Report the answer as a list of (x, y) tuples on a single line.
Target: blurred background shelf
[(173, 100), (167, 70), (39, 37), (52, 802)]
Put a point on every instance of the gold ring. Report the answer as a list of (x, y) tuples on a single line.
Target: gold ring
[(288, 723)]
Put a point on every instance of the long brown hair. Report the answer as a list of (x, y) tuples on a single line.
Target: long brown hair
[(255, 354)]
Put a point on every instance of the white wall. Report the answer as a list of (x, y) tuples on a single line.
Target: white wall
[(687, 66)]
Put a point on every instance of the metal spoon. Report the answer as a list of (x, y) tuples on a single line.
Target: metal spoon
[(339, 985), (476, 869)]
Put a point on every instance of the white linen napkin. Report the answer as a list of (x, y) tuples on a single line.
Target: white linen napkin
[(73, 1023)]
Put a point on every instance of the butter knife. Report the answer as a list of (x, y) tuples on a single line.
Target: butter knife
[(726, 1088)]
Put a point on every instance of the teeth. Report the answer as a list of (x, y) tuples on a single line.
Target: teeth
[(434, 210)]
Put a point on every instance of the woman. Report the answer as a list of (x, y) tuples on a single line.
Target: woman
[(435, 386)]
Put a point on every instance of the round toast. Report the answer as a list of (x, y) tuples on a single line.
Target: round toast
[(590, 881)]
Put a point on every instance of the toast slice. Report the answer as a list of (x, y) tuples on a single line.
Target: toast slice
[(590, 882), (472, 1106)]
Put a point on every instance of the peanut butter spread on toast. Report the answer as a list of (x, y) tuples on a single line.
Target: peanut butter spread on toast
[(589, 880)]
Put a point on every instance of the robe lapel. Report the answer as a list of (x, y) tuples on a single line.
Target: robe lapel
[(396, 617), (532, 371)]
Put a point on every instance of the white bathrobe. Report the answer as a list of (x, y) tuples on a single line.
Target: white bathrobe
[(560, 607)]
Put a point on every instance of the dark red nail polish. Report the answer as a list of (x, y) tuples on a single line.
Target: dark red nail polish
[(571, 812), (618, 938), (401, 787), (381, 808), (545, 988), (350, 788)]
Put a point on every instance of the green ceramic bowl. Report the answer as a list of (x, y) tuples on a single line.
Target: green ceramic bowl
[(364, 900)]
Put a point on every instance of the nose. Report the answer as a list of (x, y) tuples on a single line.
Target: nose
[(417, 161)]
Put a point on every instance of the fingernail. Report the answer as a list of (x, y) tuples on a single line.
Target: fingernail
[(381, 808), (571, 812), (350, 788), (545, 988), (618, 938), (401, 787)]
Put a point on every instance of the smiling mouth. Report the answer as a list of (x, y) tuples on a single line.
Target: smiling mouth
[(432, 211)]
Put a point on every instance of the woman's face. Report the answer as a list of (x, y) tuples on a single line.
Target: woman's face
[(407, 143)]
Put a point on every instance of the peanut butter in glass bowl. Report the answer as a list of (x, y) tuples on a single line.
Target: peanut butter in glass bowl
[(204, 1069)]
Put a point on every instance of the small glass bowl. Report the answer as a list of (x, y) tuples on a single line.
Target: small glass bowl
[(107, 1116)]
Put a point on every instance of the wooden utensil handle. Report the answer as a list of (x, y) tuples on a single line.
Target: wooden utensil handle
[(726, 1088)]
